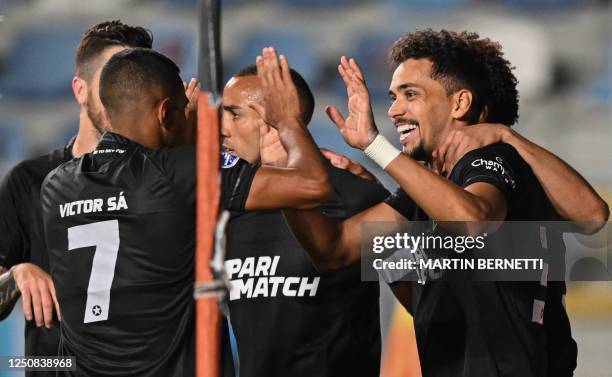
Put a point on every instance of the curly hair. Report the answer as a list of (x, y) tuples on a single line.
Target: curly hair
[(463, 60), (104, 35)]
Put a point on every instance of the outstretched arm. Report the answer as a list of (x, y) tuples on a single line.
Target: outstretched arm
[(571, 195), (304, 182), (27, 280), (330, 244)]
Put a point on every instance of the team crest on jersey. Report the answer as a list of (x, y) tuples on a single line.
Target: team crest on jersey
[(227, 160)]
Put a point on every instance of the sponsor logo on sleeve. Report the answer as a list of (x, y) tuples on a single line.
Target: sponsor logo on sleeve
[(495, 166)]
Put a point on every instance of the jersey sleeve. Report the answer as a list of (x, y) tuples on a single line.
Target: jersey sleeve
[(13, 237), (353, 194), (179, 167), (492, 165), (236, 183), (402, 203)]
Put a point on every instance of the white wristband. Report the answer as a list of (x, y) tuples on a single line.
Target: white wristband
[(381, 151)]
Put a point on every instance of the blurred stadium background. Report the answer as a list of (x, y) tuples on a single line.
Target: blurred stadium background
[(562, 50)]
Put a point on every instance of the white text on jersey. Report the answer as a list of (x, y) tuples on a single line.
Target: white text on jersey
[(113, 203), (255, 278)]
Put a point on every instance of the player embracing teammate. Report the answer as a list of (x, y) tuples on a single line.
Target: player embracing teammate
[(444, 83), (119, 221), (289, 318), (23, 251)]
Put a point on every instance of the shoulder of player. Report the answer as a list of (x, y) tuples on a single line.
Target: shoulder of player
[(168, 160), (33, 170), (185, 152), (355, 190), (499, 153), (339, 173), (501, 149), (61, 169)]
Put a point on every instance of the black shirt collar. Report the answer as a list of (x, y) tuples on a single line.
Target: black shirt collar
[(113, 140), (68, 149)]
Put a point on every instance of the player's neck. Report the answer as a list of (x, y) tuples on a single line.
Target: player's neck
[(87, 137), (144, 132)]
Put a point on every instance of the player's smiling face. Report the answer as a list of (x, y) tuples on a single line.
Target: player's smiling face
[(420, 108), (240, 124)]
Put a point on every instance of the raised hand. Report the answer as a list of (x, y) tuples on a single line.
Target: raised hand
[(270, 146), (192, 90), (280, 102), (461, 140), (358, 129)]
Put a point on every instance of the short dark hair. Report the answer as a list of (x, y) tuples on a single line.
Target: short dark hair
[(136, 75), (463, 60), (307, 101), (104, 35)]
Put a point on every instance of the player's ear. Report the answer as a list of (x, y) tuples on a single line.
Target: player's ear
[(461, 103), (79, 88), (163, 113)]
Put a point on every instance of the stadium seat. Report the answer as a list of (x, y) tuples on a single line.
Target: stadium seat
[(531, 5), (318, 3), (194, 3), (5, 5), (13, 143), (296, 46), (180, 45), (180, 3), (601, 86), (41, 63), (428, 5)]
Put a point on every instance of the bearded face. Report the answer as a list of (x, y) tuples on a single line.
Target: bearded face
[(93, 106)]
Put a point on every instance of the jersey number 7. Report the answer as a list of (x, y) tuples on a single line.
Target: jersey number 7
[(104, 235)]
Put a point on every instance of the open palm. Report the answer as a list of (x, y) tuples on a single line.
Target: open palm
[(270, 146), (359, 128)]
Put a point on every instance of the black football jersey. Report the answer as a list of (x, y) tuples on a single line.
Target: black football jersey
[(21, 235), (290, 319), (479, 328), (120, 228)]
